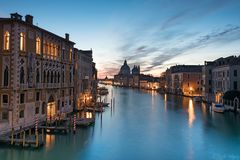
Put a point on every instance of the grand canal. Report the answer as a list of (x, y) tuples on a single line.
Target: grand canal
[(144, 126)]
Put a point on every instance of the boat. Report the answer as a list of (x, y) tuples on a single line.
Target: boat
[(85, 122), (103, 91), (102, 104), (218, 107)]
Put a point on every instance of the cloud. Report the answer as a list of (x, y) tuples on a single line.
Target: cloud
[(230, 33)]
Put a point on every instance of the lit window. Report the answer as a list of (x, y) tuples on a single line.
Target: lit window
[(38, 45), (70, 56), (22, 41), (6, 40), (44, 48)]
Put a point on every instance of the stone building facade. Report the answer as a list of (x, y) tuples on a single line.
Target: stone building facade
[(220, 76), (184, 80), (36, 73), (85, 78)]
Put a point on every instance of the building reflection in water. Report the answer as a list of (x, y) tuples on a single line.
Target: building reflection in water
[(165, 102), (191, 113), (50, 140)]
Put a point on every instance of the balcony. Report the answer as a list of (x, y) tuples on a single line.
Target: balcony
[(5, 106), (39, 85), (23, 86)]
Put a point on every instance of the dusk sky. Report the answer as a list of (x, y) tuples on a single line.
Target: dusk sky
[(155, 34)]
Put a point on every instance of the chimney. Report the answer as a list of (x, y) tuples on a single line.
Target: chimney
[(16, 16), (29, 19), (67, 36)]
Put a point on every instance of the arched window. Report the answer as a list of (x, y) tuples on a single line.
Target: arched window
[(70, 56), (55, 77), (44, 76), (43, 108), (6, 73), (70, 76), (38, 45), (21, 75), (58, 77), (48, 75), (52, 77), (38, 76), (22, 41), (6, 40), (63, 77)]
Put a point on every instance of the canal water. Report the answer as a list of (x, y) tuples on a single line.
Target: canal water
[(144, 126)]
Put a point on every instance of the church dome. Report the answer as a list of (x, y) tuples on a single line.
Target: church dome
[(125, 69)]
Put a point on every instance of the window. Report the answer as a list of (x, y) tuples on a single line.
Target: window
[(210, 71), (58, 77), (44, 76), (62, 104), (58, 105), (38, 76), (210, 82), (22, 96), (70, 102), (48, 77), (44, 48), (55, 77), (63, 52), (38, 46), (235, 73), (6, 40), (43, 108), (21, 75), (70, 92), (37, 96), (62, 93), (5, 99), (36, 110), (52, 77), (210, 90), (21, 114), (22, 41), (5, 79), (235, 85), (70, 76), (63, 77), (4, 115), (70, 56)]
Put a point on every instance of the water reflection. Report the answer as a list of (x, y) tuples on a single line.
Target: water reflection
[(191, 113), (50, 140), (165, 102)]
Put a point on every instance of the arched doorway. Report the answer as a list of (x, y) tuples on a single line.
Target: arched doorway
[(51, 108)]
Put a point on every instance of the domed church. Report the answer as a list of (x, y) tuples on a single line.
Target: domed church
[(125, 78), (125, 69)]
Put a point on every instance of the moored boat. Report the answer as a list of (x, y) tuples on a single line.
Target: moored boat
[(218, 107)]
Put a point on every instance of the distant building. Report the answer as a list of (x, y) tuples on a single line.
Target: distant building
[(184, 80), (124, 77), (135, 79)]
